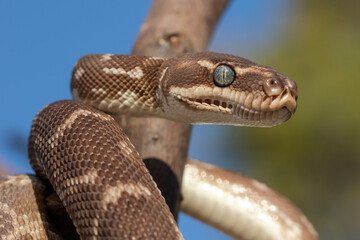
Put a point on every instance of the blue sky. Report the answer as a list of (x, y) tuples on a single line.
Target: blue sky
[(40, 41)]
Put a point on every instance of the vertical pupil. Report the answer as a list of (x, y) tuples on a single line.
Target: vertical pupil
[(224, 76)]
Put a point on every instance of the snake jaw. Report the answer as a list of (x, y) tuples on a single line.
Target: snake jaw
[(224, 106)]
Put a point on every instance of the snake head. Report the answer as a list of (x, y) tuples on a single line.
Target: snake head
[(212, 88)]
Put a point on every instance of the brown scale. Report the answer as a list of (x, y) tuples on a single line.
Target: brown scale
[(94, 77), (250, 82), (91, 164), (26, 216), (82, 183)]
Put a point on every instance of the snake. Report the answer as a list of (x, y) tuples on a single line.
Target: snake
[(78, 151)]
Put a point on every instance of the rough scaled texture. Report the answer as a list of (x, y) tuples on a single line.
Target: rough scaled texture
[(113, 198), (116, 83), (22, 209), (183, 88)]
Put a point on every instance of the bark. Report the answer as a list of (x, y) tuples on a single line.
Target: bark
[(171, 28)]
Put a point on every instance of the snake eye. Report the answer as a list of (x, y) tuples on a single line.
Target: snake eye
[(272, 87), (224, 76)]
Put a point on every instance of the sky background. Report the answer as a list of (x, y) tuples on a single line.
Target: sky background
[(40, 41)]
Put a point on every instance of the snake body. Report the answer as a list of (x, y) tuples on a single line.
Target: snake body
[(100, 178)]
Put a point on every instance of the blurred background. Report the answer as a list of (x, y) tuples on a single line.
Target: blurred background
[(313, 159)]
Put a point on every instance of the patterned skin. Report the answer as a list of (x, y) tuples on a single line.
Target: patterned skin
[(97, 173), (183, 89), (102, 182)]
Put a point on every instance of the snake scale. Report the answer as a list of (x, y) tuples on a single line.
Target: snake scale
[(80, 152)]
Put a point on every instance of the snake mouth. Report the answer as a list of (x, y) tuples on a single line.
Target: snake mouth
[(238, 108), (250, 116)]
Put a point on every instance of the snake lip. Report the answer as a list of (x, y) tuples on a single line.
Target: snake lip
[(241, 114), (288, 99)]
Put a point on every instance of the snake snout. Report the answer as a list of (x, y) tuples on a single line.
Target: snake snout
[(288, 98), (291, 90), (282, 92)]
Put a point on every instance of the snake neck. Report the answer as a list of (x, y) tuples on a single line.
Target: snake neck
[(118, 84)]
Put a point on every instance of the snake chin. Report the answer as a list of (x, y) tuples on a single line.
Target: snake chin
[(230, 113)]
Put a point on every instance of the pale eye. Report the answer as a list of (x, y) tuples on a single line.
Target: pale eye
[(224, 76)]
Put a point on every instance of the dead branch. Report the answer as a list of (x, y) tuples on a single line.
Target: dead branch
[(172, 27)]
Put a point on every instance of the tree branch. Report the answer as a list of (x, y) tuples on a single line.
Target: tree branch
[(172, 27)]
